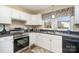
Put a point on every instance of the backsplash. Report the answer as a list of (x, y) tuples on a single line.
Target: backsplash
[(18, 24)]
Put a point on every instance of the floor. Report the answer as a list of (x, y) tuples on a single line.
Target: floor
[(35, 49)]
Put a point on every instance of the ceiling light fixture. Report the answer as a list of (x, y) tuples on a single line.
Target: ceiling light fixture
[(53, 16)]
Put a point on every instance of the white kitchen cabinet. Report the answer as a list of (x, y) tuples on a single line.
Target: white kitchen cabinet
[(39, 19), (34, 20), (6, 44), (52, 43), (56, 44), (32, 38), (24, 16), (5, 15), (15, 14), (29, 20), (19, 15), (40, 40), (43, 41), (77, 14)]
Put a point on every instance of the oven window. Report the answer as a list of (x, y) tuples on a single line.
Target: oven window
[(21, 43)]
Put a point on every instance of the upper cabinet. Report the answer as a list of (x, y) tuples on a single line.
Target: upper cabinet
[(39, 19), (5, 15), (15, 14), (34, 20), (24, 16), (18, 15), (77, 14)]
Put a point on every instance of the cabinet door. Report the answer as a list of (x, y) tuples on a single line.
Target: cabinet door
[(33, 20), (39, 40), (24, 16), (77, 14), (6, 44), (39, 19), (5, 15), (15, 14), (46, 40), (29, 20), (43, 41), (32, 38), (56, 44)]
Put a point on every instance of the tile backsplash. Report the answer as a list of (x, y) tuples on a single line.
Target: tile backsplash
[(18, 24)]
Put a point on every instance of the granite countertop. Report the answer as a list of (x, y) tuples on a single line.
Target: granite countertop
[(59, 34), (4, 35), (69, 35)]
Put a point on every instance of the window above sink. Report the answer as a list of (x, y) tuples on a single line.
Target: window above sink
[(64, 22)]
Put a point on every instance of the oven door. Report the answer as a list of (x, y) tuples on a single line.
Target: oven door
[(70, 45), (21, 43)]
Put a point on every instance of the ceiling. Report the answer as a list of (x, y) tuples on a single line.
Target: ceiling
[(35, 9)]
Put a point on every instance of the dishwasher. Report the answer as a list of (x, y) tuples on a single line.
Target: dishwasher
[(70, 45)]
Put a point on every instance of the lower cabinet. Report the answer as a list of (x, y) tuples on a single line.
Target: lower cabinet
[(43, 41), (56, 44), (52, 43), (6, 44), (32, 38)]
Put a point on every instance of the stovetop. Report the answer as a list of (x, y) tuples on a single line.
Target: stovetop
[(17, 36)]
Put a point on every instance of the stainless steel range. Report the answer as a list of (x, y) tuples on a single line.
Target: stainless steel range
[(21, 40)]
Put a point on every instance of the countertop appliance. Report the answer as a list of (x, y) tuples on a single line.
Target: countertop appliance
[(70, 45)]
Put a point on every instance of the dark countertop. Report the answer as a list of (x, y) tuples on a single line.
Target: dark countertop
[(46, 32), (60, 34), (66, 35), (5, 35)]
